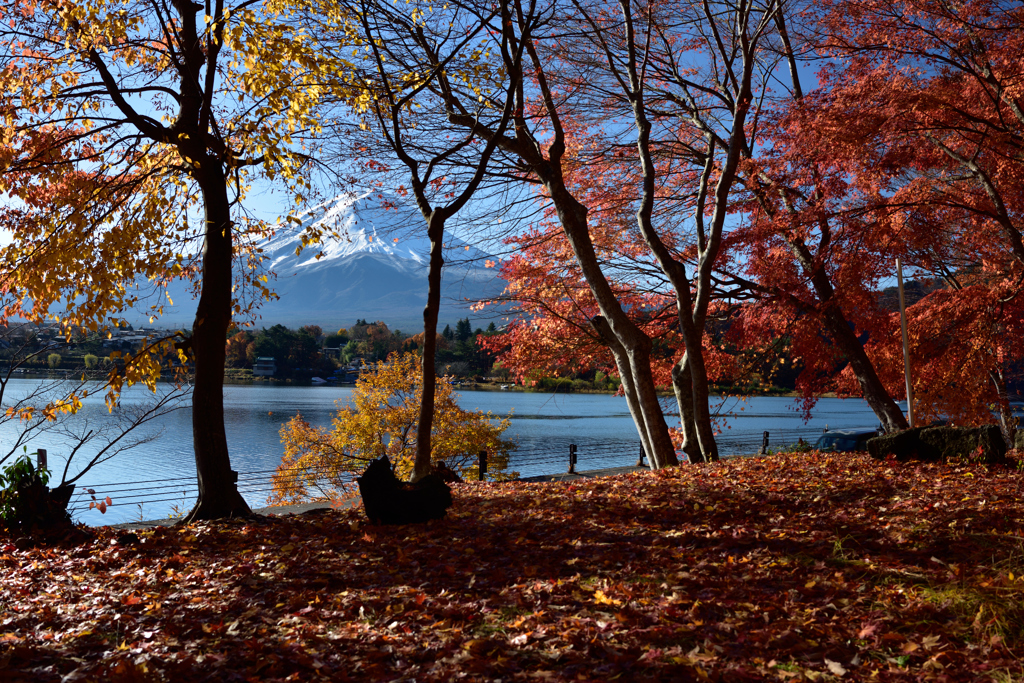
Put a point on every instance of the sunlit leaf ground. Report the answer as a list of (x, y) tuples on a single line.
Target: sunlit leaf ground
[(788, 567)]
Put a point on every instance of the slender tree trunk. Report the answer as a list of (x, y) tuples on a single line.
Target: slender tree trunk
[(435, 231), (693, 340), (635, 344), (842, 333), (682, 384), (628, 386), (218, 494), (1006, 420)]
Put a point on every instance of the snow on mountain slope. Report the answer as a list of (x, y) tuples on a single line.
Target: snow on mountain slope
[(363, 226), (376, 269)]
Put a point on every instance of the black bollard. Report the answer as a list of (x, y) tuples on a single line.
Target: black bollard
[(483, 465), (572, 458), (764, 444), (640, 460)]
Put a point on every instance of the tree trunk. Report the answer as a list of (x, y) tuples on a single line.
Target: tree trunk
[(628, 387), (682, 384), (435, 231), (842, 333), (218, 494), (1006, 420), (635, 344), (693, 340)]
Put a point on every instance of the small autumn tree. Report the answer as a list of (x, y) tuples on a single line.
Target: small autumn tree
[(323, 463), (419, 60)]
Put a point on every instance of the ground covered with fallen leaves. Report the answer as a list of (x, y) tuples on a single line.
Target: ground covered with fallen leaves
[(789, 567)]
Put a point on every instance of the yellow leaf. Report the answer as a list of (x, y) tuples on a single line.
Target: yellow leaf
[(602, 599)]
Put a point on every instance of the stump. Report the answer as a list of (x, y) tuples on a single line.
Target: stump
[(447, 474), (390, 501)]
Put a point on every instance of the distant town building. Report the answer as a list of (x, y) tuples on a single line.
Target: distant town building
[(264, 367)]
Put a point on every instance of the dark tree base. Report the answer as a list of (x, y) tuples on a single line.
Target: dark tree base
[(388, 501), (206, 509)]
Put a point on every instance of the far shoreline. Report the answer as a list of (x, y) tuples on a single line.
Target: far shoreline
[(233, 379)]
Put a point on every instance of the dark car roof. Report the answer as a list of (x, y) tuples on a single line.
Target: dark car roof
[(850, 432)]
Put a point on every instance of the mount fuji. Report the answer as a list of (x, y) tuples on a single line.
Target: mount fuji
[(376, 269)]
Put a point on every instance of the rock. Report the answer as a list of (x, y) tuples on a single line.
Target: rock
[(938, 444), (389, 501), (1018, 442), (128, 539), (963, 442), (905, 445)]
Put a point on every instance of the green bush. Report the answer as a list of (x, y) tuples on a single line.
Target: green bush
[(91, 361), (25, 502), (54, 360), (558, 385)]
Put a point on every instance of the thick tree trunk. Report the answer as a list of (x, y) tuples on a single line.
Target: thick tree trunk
[(435, 231), (682, 385), (218, 494)]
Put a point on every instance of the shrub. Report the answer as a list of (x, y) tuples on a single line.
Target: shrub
[(323, 463), (91, 361), (25, 502), (54, 360)]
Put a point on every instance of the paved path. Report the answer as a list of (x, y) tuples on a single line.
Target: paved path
[(307, 507)]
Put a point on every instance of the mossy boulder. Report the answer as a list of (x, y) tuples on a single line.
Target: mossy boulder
[(938, 444)]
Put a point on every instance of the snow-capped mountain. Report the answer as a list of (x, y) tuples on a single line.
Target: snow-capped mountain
[(374, 266)]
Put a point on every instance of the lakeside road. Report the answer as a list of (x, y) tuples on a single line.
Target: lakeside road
[(304, 508)]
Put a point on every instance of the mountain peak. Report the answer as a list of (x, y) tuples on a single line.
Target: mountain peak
[(372, 264), (360, 223)]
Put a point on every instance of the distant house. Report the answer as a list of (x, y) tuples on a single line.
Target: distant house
[(264, 367)]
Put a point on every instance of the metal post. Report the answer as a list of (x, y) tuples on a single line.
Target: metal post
[(572, 458), (41, 459), (640, 460), (906, 345), (764, 444), (482, 468)]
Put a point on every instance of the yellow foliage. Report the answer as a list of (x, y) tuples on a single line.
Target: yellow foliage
[(323, 463)]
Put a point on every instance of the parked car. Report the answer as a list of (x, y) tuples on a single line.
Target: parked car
[(845, 440)]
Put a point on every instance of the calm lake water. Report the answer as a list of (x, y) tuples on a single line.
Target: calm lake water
[(163, 470)]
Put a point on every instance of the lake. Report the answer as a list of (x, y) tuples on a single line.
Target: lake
[(544, 425)]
